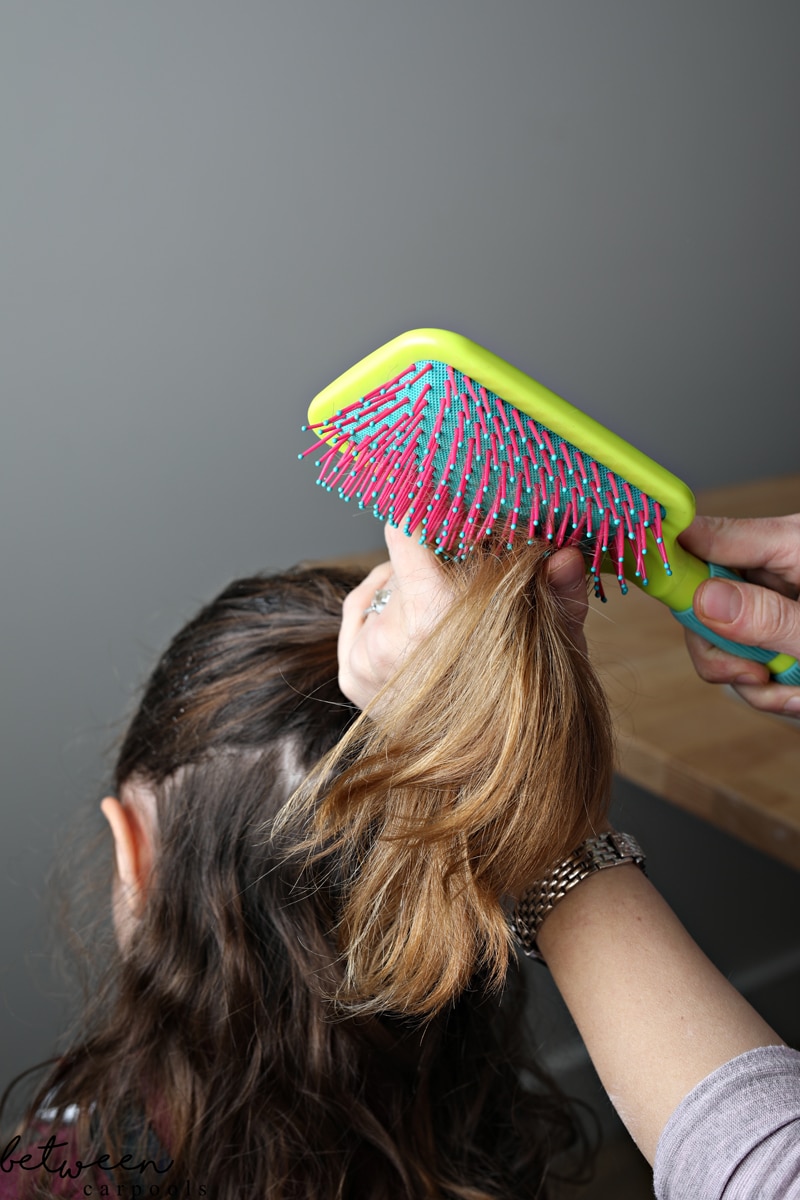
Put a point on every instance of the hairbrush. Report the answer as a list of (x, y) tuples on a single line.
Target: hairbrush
[(435, 433)]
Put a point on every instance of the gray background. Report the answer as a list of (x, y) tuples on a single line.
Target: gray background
[(207, 211)]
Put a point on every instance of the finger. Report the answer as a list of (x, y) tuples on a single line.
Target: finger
[(750, 615), (412, 562), (716, 666), (772, 698), (360, 597), (566, 574), (353, 608), (769, 579), (769, 542)]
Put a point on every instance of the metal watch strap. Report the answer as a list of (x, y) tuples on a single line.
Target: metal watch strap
[(610, 849)]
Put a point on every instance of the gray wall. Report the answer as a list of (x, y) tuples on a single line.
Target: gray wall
[(207, 210)]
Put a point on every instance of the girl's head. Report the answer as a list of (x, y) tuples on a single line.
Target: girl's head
[(231, 1025), (239, 708)]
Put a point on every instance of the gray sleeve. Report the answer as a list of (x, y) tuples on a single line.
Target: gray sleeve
[(736, 1136)]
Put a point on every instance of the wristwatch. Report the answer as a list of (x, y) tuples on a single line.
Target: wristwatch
[(610, 849)]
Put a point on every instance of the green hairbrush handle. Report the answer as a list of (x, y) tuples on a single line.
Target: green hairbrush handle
[(783, 667)]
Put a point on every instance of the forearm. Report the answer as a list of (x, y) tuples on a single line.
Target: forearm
[(655, 1014)]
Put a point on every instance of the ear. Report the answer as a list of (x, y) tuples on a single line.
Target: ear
[(132, 827)]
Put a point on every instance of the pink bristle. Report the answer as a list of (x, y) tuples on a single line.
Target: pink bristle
[(509, 529), (611, 505), (498, 428), (404, 491), (366, 424), (562, 473), (466, 472), (547, 442), (389, 384), (469, 520), (549, 523), (526, 471), (641, 550), (322, 438), (488, 524), (326, 424), (533, 432), (468, 412), (383, 441), (363, 469), (470, 386), (577, 532), (517, 499), (660, 537), (351, 486), (422, 497), (384, 475), (502, 486), (533, 516), (409, 453), (612, 480), (597, 558), (543, 479), (562, 531), (518, 422), (538, 496), (332, 454), (482, 420), (451, 458), (512, 437), (341, 465), (500, 408), (565, 452), (575, 504), (619, 546), (437, 510), (605, 527), (485, 477)]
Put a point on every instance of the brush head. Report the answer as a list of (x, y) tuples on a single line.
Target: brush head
[(435, 433)]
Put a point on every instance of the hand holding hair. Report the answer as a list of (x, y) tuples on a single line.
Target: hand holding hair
[(371, 648), (763, 609), (420, 593)]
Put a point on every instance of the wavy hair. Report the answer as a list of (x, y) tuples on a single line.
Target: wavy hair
[(235, 1031), (486, 761)]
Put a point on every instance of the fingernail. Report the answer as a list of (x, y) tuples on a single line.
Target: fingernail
[(792, 706), (720, 601)]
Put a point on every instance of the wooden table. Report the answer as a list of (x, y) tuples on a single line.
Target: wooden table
[(698, 745), (694, 744)]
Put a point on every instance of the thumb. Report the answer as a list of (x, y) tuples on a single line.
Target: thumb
[(566, 574), (752, 615)]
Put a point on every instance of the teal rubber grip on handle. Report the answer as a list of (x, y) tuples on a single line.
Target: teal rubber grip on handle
[(689, 620)]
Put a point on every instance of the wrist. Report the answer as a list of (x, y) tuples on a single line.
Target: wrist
[(593, 857)]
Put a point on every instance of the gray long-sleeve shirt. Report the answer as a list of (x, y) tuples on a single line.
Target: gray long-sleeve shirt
[(736, 1136)]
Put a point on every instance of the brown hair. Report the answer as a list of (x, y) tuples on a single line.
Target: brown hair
[(216, 1032), (487, 760)]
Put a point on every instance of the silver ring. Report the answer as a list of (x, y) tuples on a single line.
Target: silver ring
[(379, 601)]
